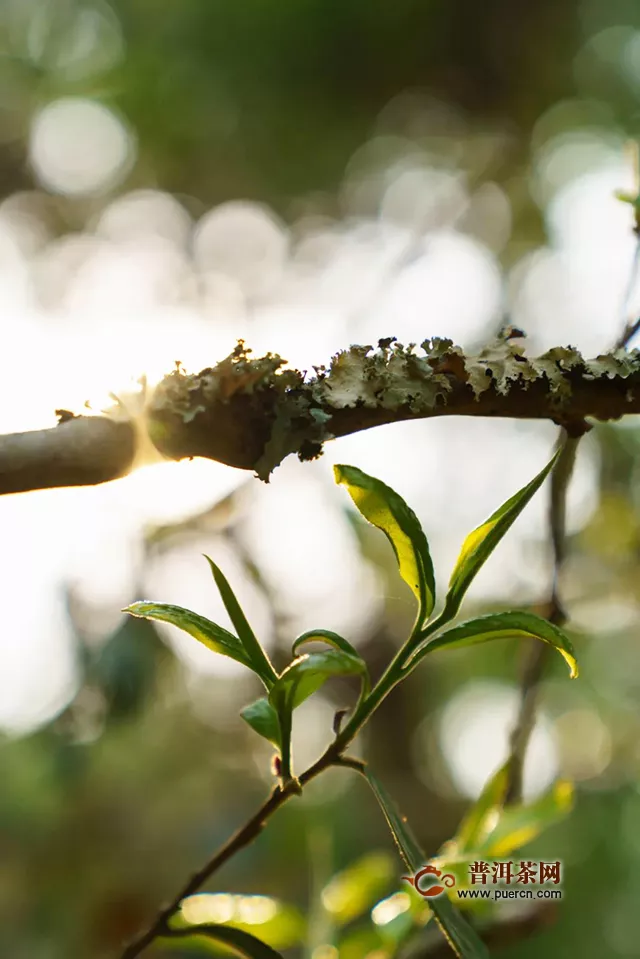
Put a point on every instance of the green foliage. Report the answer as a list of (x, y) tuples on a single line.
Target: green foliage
[(272, 718), (520, 824), (489, 828), (492, 830)]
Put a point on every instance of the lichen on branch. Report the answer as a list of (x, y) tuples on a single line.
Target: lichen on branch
[(252, 413)]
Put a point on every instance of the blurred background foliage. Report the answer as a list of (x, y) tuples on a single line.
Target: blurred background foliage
[(305, 174)]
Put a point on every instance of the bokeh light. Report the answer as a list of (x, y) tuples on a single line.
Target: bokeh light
[(79, 147)]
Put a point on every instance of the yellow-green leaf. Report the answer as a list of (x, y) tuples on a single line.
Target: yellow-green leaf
[(479, 544), (386, 510), (211, 635), (503, 626)]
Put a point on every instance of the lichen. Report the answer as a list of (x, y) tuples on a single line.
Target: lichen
[(253, 412)]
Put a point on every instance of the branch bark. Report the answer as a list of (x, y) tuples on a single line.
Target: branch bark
[(80, 451), (252, 413)]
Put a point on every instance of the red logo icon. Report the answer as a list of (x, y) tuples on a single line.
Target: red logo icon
[(434, 889)]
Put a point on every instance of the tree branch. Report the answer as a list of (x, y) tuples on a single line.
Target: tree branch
[(252, 413), (80, 451)]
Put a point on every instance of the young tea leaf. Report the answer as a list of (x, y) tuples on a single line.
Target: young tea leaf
[(257, 656), (299, 680), (309, 672), (209, 634), (462, 938), (479, 544), (386, 510), (263, 718), (502, 626), (337, 642), (325, 636)]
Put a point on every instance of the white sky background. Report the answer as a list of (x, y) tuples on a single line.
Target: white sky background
[(414, 256)]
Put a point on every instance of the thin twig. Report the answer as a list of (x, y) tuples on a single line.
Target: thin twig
[(535, 666), (630, 329), (538, 655), (243, 837)]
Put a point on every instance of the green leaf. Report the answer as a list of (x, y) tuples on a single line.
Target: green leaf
[(521, 824), (462, 938), (309, 672), (408, 846), (325, 636), (479, 544), (357, 888), (299, 680), (212, 636), (337, 642), (480, 820), (263, 718), (241, 942), (256, 654), (386, 510), (503, 626)]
